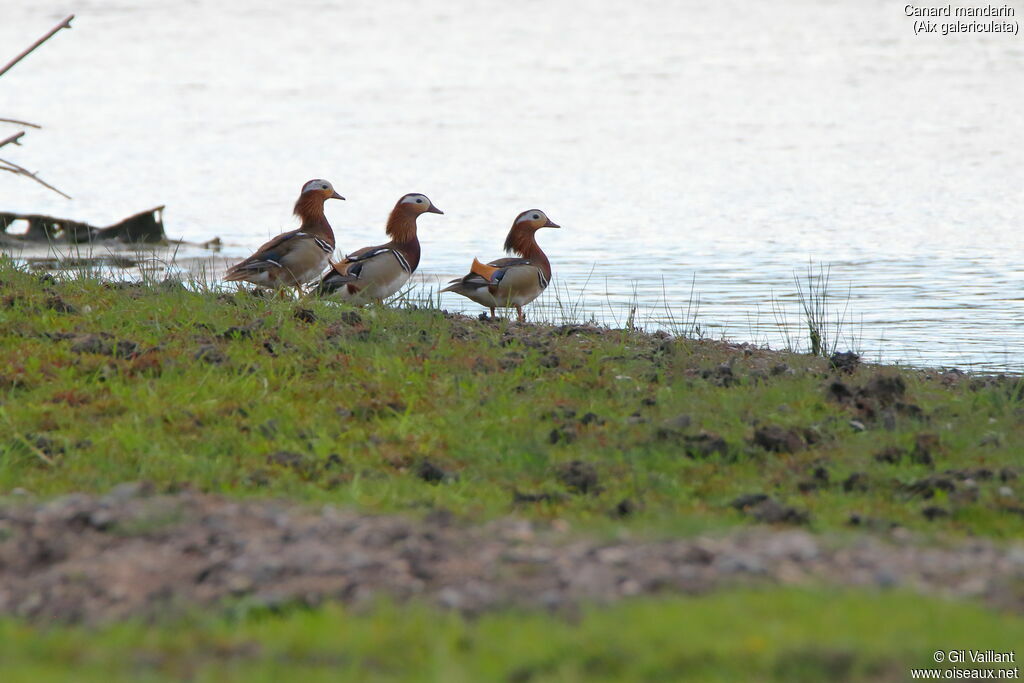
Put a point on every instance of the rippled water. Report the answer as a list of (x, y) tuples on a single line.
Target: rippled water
[(723, 144)]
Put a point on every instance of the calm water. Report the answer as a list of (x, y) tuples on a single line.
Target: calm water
[(726, 144)]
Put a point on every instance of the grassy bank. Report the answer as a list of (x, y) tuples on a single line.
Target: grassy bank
[(593, 431), (397, 410), (784, 635)]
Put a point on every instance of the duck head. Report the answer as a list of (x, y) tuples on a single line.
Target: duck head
[(416, 204), (322, 188)]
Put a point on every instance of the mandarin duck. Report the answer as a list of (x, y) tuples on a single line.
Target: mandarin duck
[(510, 282), (298, 256), (375, 273)]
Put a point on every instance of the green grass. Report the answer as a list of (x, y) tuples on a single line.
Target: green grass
[(781, 635), (499, 408), (359, 399)]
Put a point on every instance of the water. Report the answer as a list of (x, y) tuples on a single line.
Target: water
[(727, 144)]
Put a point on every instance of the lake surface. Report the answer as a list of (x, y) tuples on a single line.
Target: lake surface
[(723, 145)]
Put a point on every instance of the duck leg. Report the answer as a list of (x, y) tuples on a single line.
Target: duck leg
[(522, 316), (492, 313)]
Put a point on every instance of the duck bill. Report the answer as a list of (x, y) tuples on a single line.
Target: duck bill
[(434, 209), (335, 195), (551, 224)]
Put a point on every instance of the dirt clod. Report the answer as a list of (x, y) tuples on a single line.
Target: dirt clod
[(208, 353), (748, 500), (55, 303), (625, 508), (430, 473), (779, 439), (289, 459), (856, 482), (925, 447), (770, 511), (704, 445), (579, 477), (891, 455), (305, 315), (543, 497), (846, 362)]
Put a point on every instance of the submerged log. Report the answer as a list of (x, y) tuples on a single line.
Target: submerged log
[(146, 227)]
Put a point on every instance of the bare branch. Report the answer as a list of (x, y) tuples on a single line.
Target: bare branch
[(64, 24), (20, 123), (14, 168), (13, 139)]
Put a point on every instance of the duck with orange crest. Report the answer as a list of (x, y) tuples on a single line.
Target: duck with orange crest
[(511, 282), (296, 257), (375, 273)]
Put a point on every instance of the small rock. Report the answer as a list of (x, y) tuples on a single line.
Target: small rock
[(857, 426)]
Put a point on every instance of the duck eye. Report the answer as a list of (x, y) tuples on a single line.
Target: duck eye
[(536, 217), (323, 187), (419, 201)]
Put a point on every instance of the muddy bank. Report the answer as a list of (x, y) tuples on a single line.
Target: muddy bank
[(89, 559)]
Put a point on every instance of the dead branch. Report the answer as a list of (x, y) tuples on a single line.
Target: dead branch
[(20, 123), (145, 227), (14, 168), (64, 24), (13, 139), (10, 166)]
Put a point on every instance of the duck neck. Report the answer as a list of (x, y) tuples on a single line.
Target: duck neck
[(310, 209), (523, 243), (401, 229)]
